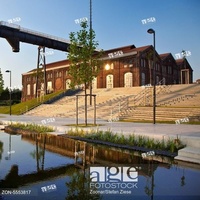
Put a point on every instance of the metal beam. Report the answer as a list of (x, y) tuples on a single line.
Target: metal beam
[(15, 34)]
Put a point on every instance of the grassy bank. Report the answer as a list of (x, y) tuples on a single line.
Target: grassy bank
[(32, 127), (19, 108), (172, 145)]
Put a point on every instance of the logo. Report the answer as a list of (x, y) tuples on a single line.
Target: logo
[(113, 174), (113, 178)]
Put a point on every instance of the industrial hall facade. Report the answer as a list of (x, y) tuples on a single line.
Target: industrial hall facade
[(127, 66)]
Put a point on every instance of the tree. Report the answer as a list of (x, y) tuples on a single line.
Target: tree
[(79, 187), (149, 57), (38, 74), (84, 59), (1, 82)]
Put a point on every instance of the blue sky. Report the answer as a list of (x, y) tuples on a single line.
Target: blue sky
[(116, 23)]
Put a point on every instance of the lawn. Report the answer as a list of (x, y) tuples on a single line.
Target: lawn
[(19, 108)]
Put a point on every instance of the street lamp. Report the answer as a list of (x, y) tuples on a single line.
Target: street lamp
[(8, 71), (151, 31)]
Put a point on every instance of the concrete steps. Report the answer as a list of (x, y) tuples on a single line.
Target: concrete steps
[(162, 113), (189, 154), (124, 100)]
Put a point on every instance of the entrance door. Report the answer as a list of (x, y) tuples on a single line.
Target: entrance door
[(68, 81), (128, 79), (94, 83), (109, 81)]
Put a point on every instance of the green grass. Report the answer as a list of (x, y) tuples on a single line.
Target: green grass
[(17, 109), (132, 140), (32, 127)]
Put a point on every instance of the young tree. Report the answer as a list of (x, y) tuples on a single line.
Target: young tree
[(38, 74), (149, 57), (84, 59), (1, 82)]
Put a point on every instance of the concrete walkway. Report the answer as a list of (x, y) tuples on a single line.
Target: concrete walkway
[(189, 134)]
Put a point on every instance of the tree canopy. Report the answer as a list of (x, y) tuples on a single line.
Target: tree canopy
[(1, 82), (84, 58)]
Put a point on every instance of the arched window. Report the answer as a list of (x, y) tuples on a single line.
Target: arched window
[(164, 81), (49, 85), (157, 80), (28, 89), (42, 87), (68, 81), (143, 81), (109, 81), (128, 79), (34, 88), (94, 83)]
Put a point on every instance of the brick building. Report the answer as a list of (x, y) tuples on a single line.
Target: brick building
[(122, 67)]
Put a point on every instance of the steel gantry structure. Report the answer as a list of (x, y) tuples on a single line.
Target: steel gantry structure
[(15, 34)]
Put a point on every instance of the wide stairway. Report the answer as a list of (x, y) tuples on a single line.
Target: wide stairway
[(135, 103)]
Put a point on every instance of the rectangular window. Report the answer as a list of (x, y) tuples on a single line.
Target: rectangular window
[(28, 89), (49, 85), (164, 69), (141, 62), (169, 70), (34, 88)]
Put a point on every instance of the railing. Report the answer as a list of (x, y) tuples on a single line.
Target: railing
[(49, 101), (16, 26), (144, 97), (65, 93), (177, 99)]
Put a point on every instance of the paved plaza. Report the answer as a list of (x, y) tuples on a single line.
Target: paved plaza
[(188, 134), (150, 129)]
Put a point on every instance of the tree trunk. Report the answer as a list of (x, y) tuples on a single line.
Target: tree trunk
[(85, 105), (90, 93), (150, 74)]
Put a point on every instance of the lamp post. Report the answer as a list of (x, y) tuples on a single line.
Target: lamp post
[(8, 71), (151, 31)]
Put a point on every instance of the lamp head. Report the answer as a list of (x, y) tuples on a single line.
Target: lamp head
[(7, 70), (150, 31)]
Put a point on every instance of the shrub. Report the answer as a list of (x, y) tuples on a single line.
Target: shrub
[(133, 140), (33, 127)]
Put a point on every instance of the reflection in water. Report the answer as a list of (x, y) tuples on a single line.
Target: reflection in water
[(149, 188), (14, 180), (9, 154), (183, 178), (79, 187), (11, 180), (39, 153), (154, 173), (86, 154)]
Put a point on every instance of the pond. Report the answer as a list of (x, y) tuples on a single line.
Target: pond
[(54, 167)]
